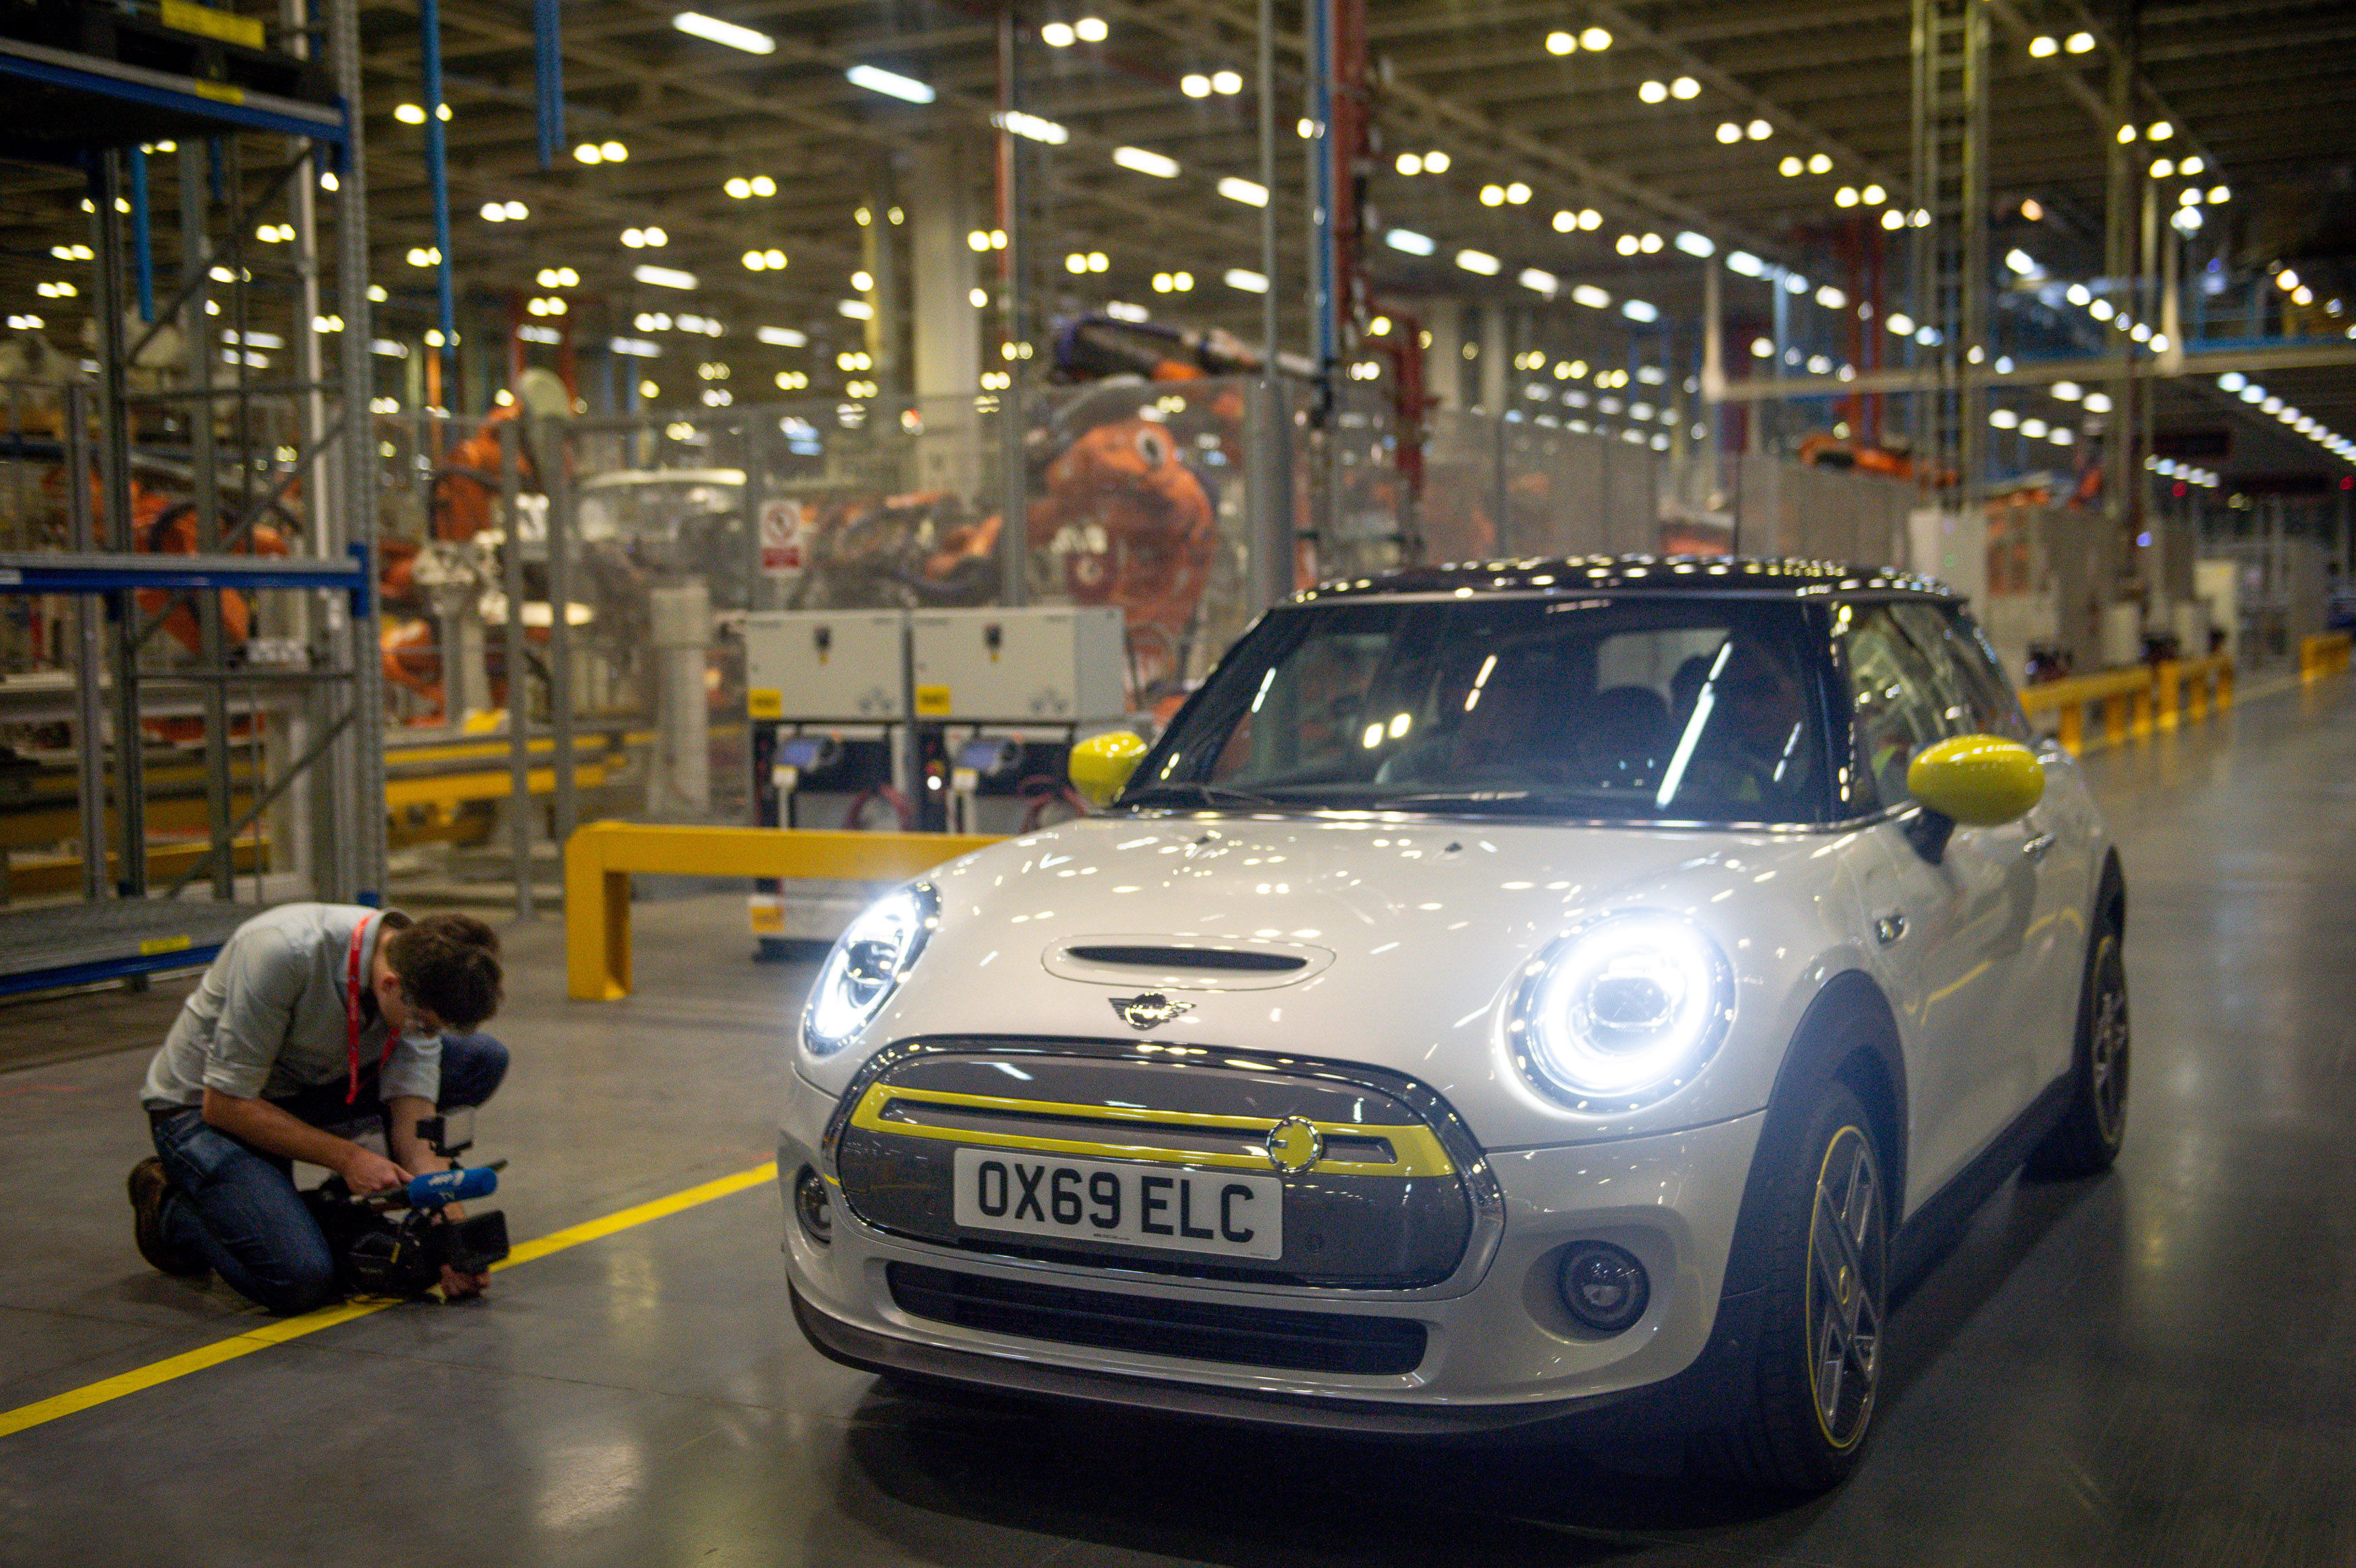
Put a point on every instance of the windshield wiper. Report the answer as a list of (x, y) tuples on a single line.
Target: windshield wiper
[(1174, 791), (1505, 797)]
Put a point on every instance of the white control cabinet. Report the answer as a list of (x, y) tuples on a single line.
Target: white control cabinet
[(834, 665), (1052, 665)]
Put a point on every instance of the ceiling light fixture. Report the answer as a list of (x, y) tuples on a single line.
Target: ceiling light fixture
[(890, 83), (1032, 126), (1146, 163), (719, 32)]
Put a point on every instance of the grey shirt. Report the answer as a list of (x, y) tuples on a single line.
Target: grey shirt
[(268, 1018)]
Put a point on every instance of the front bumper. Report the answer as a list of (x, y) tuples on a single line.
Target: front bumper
[(1500, 1350)]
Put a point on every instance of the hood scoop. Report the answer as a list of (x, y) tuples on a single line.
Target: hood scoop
[(1234, 960), (1185, 962)]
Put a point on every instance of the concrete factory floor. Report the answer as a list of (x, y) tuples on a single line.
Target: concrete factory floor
[(2153, 1367)]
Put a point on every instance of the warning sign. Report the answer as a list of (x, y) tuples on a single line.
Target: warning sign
[(784, 537)]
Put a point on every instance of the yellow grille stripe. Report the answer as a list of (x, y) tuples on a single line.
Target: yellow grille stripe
[(1418, 1149)]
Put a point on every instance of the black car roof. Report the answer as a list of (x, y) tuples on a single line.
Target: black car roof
[(1748, 575)]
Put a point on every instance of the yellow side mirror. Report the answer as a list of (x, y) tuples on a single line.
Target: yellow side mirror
[(1982, 780), (1101, 766)]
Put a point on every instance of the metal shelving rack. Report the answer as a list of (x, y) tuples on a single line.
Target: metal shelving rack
[(87, 110)]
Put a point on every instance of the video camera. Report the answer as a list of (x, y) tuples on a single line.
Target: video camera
[(380, 1254)]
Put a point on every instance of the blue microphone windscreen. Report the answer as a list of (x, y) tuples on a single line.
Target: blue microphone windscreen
[(440, 1187)]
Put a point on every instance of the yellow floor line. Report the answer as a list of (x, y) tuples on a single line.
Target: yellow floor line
[(285, 1329)]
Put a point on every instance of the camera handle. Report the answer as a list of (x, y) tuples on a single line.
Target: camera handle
[(433, 1129)]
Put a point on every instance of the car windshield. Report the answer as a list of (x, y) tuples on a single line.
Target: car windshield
[(1653, 709)]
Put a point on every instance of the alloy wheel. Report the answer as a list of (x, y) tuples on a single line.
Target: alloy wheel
[(2108, 1054), (1845, 1290)]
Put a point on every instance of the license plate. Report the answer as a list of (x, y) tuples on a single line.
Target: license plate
[(1229, 1213)]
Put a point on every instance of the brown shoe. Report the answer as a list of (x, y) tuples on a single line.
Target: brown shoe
[(149, 1187)]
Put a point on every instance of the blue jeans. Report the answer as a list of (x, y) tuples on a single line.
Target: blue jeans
[(238, 1206)]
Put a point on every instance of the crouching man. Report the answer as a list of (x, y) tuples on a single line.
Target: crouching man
[(315, 1022)]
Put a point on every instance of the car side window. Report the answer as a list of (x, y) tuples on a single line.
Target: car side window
[(1900, 704), (1953, 641)]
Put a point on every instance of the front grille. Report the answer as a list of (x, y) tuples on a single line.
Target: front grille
[(1389, 1204), (1191, 1330)]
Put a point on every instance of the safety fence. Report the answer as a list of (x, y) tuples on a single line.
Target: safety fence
[(563, 596)]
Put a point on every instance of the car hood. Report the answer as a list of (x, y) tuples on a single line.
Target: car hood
[(1409, 933)]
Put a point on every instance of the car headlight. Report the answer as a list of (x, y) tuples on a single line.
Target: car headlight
[(867, 962), (1624, 1011)]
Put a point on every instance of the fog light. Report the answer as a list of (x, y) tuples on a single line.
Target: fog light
[(1604, 1286), (815, 1207)]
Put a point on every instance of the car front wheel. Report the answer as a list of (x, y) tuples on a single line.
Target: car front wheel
[(1804, 1398)]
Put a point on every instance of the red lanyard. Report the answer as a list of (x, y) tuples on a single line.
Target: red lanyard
[(352, 1013)]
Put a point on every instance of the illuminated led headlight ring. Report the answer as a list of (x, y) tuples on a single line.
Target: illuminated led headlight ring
[(867, 964), (1622, 1011)]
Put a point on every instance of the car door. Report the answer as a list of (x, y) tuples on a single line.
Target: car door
[(1942, 932), (2056, 844)]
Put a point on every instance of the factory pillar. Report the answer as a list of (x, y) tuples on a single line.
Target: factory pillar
[(680, 784), (1443, 357), (946, 352)]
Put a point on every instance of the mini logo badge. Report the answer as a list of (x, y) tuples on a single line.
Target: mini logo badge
[(1294, 1145), (1149, 1009)]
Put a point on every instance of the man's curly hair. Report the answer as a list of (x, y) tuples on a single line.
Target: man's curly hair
[(448, 965)]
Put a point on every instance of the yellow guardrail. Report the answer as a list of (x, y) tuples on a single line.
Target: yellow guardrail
[(2134, 701), (600, 858), (2326, 655), (2189, 685)]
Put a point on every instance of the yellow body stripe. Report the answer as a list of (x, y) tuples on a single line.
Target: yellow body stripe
[(285, 1329), (1417, 1148)]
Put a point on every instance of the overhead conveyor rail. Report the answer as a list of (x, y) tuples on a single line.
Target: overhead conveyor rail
[(82, 95)]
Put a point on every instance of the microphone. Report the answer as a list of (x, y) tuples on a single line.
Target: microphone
[(438, 1188)]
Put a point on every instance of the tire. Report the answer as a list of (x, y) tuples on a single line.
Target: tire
[(1804, 1393), (2087, 1139)]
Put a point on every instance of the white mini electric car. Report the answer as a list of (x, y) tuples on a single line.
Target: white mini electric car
[(1505, 992)]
